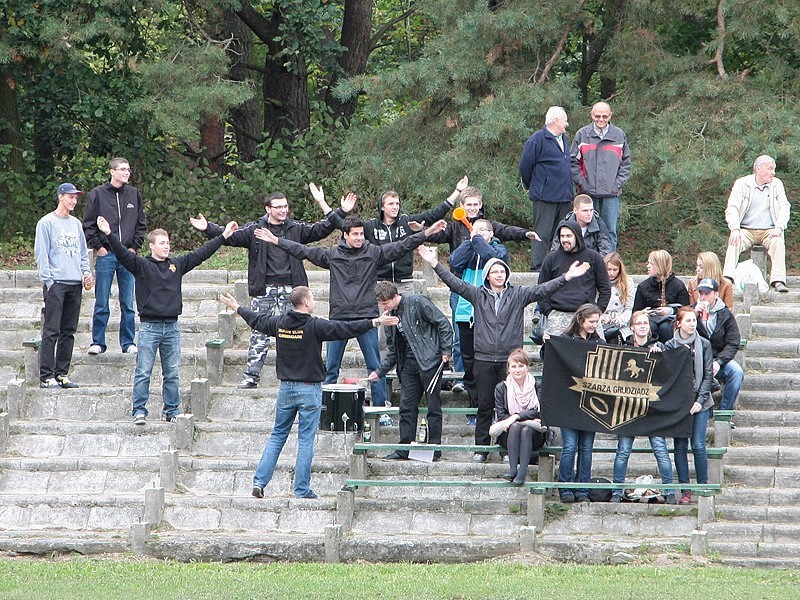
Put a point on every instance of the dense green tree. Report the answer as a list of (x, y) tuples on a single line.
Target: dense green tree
[(701, 88)]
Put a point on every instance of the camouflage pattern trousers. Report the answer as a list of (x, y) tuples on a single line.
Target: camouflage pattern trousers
[(274, 303)]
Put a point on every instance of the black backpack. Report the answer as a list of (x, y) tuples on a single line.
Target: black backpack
[(600, 494)]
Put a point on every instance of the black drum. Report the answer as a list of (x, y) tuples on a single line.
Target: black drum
[(342, 407)]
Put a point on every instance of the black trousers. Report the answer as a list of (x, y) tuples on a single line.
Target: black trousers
[(487, 376), (546, 217), (467, 336), (413, 383), (62, 307)]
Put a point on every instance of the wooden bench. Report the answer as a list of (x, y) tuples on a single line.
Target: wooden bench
[(547, 456), (358, 460)]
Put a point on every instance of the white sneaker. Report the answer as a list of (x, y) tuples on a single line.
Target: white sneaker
[(94, 350), (132, 349)]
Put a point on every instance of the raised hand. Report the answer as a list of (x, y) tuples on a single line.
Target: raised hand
[(199, 222), (348, 202), (428, 255), (440, 225), (316, 192), (229, 301), (229, 229), (265, 235), (103, 225), (416, 226)]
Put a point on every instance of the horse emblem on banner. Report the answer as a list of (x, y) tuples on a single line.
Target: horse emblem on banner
[(616, 388)]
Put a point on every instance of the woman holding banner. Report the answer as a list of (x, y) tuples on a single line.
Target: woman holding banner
[(583, 326), (686, 335), (643, 340), (519, 424)]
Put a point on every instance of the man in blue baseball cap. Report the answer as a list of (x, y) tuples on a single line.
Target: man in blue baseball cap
[(63, 263)]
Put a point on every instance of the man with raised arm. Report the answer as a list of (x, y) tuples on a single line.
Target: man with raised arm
[(270, 277), (298, 364), (159, 300), (499, 324), (353, 264)]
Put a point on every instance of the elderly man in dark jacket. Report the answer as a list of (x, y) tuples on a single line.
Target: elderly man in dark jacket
[(499, 324), (418, 345), (718, 325)]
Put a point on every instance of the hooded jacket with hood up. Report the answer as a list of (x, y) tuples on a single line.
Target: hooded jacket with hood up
[(596, 237), (593, 287), (499, 319)]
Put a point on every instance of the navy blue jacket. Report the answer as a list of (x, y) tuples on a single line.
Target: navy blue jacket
[(546, 169)]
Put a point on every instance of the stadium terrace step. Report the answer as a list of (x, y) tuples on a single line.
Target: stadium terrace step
[(77, 511)]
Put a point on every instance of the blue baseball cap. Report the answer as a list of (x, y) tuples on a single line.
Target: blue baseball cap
[(68, 188), (708, 285)]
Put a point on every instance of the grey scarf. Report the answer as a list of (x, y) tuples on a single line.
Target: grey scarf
[(696, 346)]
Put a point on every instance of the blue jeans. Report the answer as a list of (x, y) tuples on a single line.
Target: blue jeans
[(659, 446), (609, 212), (294, 397), (731, 377), (699, 426), (163, 337), (457, 362), (104, 269), (368, 342), (581, 442)]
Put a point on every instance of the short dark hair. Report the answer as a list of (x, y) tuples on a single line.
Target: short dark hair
[(274, 196), (299, 295), (385, 290), (350, 222)]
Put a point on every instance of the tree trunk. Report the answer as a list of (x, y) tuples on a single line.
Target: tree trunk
[(285, 91), (10, 130), (245, 118), (594, 47), (356, 38)]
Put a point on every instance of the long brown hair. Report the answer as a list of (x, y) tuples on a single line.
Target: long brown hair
[(581, 315), (615, 259), (711, 266)]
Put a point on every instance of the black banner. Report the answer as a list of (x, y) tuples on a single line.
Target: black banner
[(617, 389)]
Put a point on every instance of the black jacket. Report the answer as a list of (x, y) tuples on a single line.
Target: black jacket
[(501, 404), (726, 337), (353, 272), (159, 295), (298, 338), (648, 293), (593, 287), (425, 329), (122, 208), (259, 252), (378, 233)]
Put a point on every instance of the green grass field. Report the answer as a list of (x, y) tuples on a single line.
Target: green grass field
[(133, 578)]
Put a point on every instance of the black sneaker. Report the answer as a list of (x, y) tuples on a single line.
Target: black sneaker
[(478, 458), (567, 497), (395, 456), (64, 382), (258, 492), (139, 418), (309, 496), (49, 383), (615, 499)]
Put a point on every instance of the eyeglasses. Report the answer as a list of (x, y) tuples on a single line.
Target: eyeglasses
[(601, 117), (281, 207)]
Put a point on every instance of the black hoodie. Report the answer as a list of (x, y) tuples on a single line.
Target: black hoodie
[(593, 287), (122, 208), (299, 338)]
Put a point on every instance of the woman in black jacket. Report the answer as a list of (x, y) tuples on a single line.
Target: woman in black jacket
[(660, 294), (519, 425)]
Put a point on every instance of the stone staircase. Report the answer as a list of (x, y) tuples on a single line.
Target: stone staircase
[(77, 475)]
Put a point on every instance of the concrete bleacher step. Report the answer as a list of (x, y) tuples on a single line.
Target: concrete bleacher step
[(188, 512), (468, 514), (755, 476), (77, 511), (605, 549)]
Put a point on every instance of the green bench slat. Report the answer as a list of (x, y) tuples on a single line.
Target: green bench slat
[(723, 415), (712, 452), (361, 447), (373, 411)]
